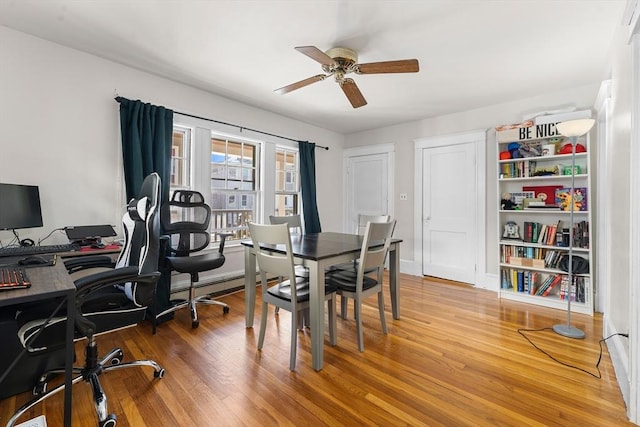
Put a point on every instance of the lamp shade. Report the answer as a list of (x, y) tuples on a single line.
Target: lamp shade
[(575, 127)]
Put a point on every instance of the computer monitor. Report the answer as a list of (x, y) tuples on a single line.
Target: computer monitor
[(19, 207)]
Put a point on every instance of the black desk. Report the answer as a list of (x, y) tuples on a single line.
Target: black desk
[(46, 283), (318, 252)]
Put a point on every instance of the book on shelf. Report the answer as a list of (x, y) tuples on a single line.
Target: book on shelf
[(564, 199), (578, 289), (544, 192), (557, 279), (542, 234), (551, 238), (548, 284)]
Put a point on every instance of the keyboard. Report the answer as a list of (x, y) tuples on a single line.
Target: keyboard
[(37, 250), (13, 278)]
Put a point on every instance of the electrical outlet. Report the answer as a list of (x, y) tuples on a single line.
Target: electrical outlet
[(403, 196)]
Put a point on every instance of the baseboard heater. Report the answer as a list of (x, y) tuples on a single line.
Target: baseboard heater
[(215, 286)]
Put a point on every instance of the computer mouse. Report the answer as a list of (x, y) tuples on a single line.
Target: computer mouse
[(33, 260)]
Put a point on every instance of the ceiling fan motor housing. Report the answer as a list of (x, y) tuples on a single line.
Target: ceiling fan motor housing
[(343, 53)]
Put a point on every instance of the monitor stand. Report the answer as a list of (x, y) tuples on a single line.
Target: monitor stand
[(91, 243)]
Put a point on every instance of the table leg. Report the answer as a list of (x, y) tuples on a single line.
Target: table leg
[(394, 279), (69, 352), (249, 285), (316, 303)]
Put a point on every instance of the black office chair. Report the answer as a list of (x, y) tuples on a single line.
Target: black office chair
[(105, 301), (185, 220)]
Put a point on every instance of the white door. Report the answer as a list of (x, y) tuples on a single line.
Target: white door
[(367, 188), (449, 231)]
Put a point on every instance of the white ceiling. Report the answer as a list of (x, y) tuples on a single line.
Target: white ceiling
[(472, 53)]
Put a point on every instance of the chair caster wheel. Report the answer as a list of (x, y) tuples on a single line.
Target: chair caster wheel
[(117, 359), (39, 389), (158, 374), (195, 324), (110, 421), (225, 309)]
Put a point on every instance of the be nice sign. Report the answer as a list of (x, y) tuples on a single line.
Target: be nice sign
[(546, 130)]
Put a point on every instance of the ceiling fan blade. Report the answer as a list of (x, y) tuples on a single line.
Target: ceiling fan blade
[(354, 95), (316, 54), (401, 66), (301, 83)]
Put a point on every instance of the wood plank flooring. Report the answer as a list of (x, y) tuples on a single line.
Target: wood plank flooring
[(455, 358)]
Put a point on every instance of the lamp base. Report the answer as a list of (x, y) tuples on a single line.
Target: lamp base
[(568, 331)]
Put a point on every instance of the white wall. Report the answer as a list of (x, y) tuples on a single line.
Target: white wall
[(623, 294), (61, 131), (482, 118)]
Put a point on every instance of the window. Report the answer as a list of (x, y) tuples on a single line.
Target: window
[(233, 186), (181, 158), (227, 169), (287, 182)]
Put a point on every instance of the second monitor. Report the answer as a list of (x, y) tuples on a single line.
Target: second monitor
[(89, 235)]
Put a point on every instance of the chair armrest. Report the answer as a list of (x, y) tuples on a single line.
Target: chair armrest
[(86, 262), (87, 285), (94, 282), (223, 238)]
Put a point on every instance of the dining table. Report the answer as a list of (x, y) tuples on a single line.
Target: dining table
[(318, 252)]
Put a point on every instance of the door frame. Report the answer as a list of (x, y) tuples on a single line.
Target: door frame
[(347, 153), (479, 138)]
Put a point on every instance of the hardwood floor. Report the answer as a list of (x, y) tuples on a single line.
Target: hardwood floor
[(455, 358)]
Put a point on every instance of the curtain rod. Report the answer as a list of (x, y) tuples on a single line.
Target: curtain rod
[(118, 98)]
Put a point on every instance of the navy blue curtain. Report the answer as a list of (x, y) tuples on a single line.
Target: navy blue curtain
[(307, 152), (147, 132), (146, 144)]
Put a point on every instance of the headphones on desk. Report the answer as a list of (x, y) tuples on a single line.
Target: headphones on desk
[(27, 242)]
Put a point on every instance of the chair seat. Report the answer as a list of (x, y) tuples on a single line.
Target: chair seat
[(197, 263), (108, 308), (282, 290), (346, 281), (301, 271)]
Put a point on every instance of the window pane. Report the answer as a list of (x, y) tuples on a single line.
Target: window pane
[(233, 173), (287, 181), (218, 151), (218, 172), (286, 204), (234, 153), (180, 158), (248, 155), (279, 181), (248, 174), (233, 184)]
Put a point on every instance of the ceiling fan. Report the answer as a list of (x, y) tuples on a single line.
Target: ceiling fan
[(340, 61)]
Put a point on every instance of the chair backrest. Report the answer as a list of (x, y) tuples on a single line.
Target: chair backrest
[(374, 257), (269, 262), (185, 219), (141, 227), (293, 221), (364, 219)]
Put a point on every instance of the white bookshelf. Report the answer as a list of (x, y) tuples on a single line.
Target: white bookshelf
[(528, 261)]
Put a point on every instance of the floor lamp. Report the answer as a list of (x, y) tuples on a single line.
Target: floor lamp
[(572, 129)]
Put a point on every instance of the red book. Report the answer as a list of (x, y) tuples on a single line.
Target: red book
[(556, 280)]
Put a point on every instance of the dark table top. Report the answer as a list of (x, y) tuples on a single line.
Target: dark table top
[(321, 245), (46, 282)]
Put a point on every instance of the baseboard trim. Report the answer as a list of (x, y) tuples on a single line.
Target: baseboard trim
[(619, 353)]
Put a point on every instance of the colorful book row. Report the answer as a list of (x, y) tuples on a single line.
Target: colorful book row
[(541, 284)]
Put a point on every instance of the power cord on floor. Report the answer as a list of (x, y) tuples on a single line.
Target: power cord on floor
[(598, 376)]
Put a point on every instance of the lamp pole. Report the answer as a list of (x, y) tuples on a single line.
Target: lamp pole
[(573, 129)]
